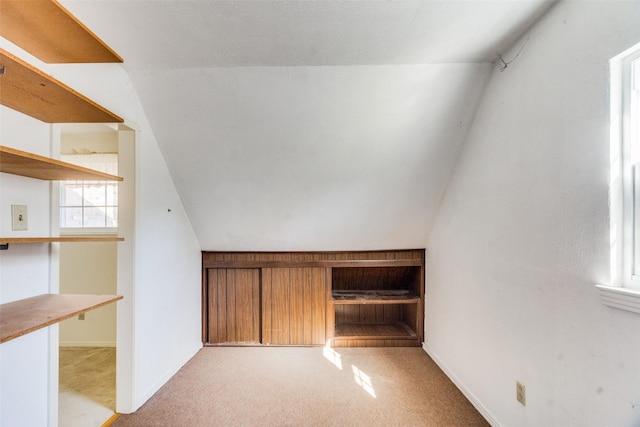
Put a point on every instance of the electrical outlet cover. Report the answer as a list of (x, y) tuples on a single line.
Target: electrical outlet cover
[(18, 217), (521, 393)]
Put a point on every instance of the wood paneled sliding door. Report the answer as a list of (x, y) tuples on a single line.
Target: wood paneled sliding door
[(233, 305), (294, 306)]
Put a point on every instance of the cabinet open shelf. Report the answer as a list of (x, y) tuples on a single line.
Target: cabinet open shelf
[(374, 296), (31, 165), (373, 331), (27, 315), (377, 306), (26, 89)]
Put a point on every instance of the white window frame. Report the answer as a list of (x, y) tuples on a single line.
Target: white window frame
[(624, 290), (84, 230)]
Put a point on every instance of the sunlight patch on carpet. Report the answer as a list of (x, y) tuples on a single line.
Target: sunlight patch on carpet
[(363, 380), (332, 356)]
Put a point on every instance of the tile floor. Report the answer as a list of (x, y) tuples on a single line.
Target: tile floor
[(87, 386)]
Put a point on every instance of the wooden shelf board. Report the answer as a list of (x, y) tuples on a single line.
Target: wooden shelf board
[(48, 31), (64, 239), (373, 331), (34, 166), (399, 296), (26, 89), (21, 317)]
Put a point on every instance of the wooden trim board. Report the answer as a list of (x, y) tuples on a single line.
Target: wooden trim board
[(27, 315), (386, 296), (26, 89), (314, 263), (51, 33)]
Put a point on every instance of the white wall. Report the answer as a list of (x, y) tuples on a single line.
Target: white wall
[(312, 158), (164, 332), (166, 265), (89, 268), (24, 272), (522, 236)]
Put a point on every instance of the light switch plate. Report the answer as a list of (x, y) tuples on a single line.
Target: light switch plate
[(18, 217)]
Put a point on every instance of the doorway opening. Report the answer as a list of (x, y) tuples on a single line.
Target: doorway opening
[(89, 349)]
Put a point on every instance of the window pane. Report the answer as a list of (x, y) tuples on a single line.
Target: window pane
[(95, 195), (94, 217), (112, 195), (112, 216), (636, 219), (90, 198), (71, 195), (71, 217)]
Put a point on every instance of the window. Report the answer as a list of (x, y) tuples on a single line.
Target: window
[(624, 183), (90, 204), (630, 169)]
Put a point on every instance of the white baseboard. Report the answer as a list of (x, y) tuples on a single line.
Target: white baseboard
[(470, 396), (87, 344), (166, 377)]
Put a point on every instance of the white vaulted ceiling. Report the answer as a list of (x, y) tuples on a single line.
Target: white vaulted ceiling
[(309, 125)]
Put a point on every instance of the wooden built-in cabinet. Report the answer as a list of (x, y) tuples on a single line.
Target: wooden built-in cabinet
[(351, 299)]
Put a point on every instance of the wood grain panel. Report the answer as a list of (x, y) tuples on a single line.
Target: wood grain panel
[(281, 308), (211, 259), (294, 306), (26, 89), (267, 302), (217, 284), (379, 278), (318, 305), (50, 32), (233, 306), (341, 343), (299, 285)]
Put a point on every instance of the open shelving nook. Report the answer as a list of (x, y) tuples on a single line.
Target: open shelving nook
[(377, 306)]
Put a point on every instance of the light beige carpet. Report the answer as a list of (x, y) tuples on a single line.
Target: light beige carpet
[(87, 386), (297, 386)]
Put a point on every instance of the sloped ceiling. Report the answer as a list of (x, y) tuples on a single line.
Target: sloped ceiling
[(309, 125)]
